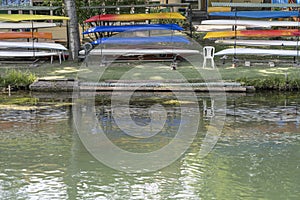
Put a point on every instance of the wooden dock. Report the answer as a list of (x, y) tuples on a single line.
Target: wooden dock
[(139, 85)]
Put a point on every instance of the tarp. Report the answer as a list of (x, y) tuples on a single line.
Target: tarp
[(280, 1), (257, 14), (135, 17), (15, 2), (138, 27), (284, 1), (141, 40), (25, 17)]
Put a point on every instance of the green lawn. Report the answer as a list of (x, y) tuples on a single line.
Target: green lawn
[(161, 71), (154, 71)]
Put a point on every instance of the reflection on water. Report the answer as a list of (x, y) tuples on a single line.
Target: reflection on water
[(256, 157)]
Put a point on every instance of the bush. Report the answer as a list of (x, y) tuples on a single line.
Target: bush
[(17, 79), (272, 83)]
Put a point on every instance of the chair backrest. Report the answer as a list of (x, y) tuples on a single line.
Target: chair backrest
[(208, 52)]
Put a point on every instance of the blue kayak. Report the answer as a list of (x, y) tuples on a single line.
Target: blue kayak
[(141, 40), (137, 27), (257, 14)]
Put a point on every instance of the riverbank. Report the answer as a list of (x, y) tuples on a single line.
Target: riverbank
[(262, 77)]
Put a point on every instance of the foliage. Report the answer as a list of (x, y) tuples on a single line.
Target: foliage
[(59, 3), (17, 79), (272, 83), (83, 14)]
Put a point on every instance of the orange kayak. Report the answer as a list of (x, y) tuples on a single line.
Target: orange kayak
[(24, 35)]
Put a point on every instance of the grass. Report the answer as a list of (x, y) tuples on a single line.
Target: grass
[(262, 77), (71, 69), (265, 78)]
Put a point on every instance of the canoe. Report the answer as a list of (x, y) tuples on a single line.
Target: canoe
[(32, 45), (135, 17), (23, 54), (251, 23), (30, 54), (257, 14), (209, 28), (141, 40), (25, 25), (259, 42), (25, 35), (138, 27), (259, 52), (135, 52), (26, 17), (253, 33)]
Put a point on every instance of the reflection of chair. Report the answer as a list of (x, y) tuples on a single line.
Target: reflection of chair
[(209, 53)]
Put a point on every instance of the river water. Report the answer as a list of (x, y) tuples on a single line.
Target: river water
[(256, 155)]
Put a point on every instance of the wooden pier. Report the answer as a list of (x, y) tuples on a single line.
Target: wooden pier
[(63, 85)]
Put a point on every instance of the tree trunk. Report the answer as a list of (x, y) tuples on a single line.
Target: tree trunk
[(73, 29)]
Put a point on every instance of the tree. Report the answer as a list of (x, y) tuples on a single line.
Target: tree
[(73, 29), (77, 16)]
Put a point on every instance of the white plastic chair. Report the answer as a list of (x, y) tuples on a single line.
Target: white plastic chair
[(209, 53)]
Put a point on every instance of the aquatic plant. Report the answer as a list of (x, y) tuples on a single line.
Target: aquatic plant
[(17, 79), (272, 83)]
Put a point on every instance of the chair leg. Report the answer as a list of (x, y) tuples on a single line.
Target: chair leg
[(59, 56), (63, 55), (204, 63), (213, 63)]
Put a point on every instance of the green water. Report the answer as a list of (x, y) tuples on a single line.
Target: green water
[(256, 157)]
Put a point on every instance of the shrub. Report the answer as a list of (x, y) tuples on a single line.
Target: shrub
[(17, 79), (271, 83)]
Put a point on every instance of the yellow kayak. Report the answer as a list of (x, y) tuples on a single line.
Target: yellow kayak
[(26, 17)]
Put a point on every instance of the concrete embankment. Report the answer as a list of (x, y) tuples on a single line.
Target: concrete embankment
[(138, 85)]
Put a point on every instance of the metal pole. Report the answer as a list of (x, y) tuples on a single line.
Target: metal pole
[(235, 33), (191, 20), (297, 38)]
